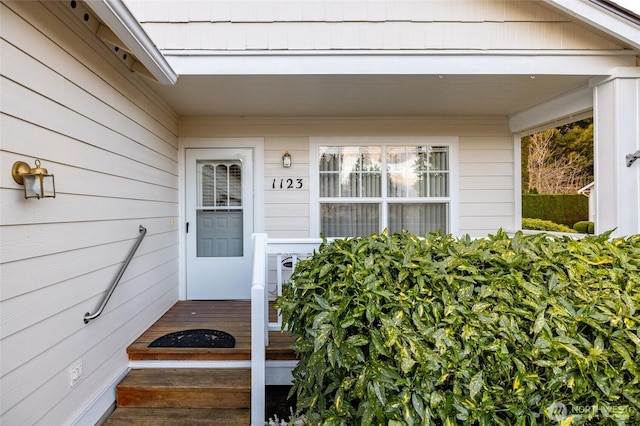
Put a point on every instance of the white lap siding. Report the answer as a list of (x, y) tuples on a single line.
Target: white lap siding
[(286, 207), (486, 167), (112, 146), (487, 184)]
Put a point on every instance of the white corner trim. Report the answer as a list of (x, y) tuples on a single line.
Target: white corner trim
[(566, 109), (454, 185), (517, 180), (116, 15), (99, 405), (602, 19)]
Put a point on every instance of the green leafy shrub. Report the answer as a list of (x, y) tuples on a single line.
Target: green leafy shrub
[(565, 209), (584, 227), (544, 225), (397, 330)]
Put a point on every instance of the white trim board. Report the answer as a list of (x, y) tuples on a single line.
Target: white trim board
[(451, 141), (101, 404), (597, 16), (426, 62), (125, 26), (572, 107), (517, 181), (255, 143), (240, 364)]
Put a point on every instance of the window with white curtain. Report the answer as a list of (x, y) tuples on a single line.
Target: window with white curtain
[(365, 189)]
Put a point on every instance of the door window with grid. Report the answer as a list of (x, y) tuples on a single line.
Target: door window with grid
[(219, 210), (365, 189)]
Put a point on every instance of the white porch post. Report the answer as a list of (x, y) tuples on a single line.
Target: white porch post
[(616, 102)]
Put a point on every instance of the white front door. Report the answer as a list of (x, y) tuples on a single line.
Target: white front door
[(219, 204)]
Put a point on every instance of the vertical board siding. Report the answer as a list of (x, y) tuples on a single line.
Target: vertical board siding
[(374, 24), (112, 147)]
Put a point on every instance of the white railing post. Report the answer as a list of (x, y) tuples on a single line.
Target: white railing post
[(278, 248), (260, 326), (259, 316)]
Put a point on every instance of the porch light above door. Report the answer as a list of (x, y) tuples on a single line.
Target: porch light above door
[(286, 159), (37, 181)]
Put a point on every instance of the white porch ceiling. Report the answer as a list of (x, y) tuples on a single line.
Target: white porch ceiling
[(365, 84), (364, 95)]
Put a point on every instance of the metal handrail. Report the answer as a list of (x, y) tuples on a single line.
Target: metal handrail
[(88, 317)]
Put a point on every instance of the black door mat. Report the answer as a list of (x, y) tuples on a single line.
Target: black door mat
[(198, 338)]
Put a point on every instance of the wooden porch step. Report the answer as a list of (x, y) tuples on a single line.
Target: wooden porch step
[(188, 396), (233, 317), (136, 416), (144, 353), (278, 349), (186, 388)]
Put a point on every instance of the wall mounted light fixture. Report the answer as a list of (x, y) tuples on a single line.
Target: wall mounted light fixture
[(37, 181), (286, 159)]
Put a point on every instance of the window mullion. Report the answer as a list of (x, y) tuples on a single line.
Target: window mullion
[(215, 186), (360, 175), (383, 173), (340, 165), (228, 186), (427, 173), (384, 217), (405, 176)]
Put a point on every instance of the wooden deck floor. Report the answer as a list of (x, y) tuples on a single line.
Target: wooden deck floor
[(233, 317)]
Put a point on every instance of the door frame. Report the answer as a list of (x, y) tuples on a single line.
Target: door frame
[(256, 144)]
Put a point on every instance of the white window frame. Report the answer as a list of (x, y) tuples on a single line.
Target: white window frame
[(451, 142)]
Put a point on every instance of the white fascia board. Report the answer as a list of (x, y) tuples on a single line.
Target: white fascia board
[(119, 19), (616, 73), (556, 112), (598, 17), (439, 62)]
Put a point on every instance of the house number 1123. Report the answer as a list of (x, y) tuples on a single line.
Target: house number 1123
[(287, 183)]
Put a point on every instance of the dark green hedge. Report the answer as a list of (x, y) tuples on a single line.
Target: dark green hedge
[(584, 227), (563, 209), (545, 225)]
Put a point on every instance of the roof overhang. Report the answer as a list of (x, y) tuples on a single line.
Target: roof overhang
[(605, 16), (383, 83), (553, 113), (528, 87), (125, 29)]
